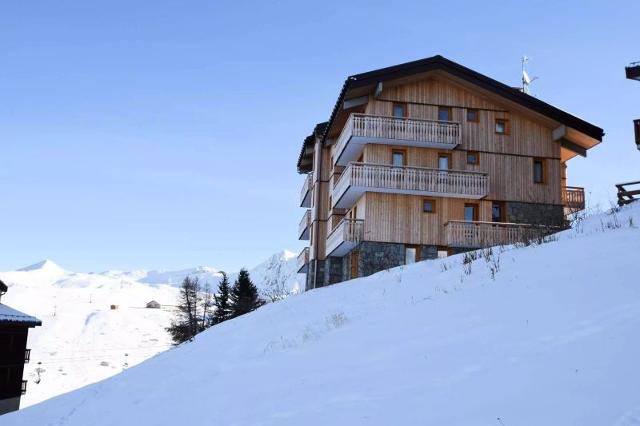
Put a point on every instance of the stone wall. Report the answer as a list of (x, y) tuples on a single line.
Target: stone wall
[(333, 271), (538, 214), (375, 257)]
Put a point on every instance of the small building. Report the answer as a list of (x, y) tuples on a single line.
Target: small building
[(114, 307), (14, 328), (153, 305)]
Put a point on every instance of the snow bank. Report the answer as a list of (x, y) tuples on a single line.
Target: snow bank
[(550, 340), (82, 341)]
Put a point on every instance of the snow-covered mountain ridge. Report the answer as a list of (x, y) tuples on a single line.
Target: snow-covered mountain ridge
[(538, 335), (82, 340)]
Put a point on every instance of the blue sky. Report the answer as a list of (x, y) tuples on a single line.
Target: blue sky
[(165, 134)]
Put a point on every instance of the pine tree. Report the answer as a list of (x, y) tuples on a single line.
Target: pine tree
[(244, 295), (222, 310), (187, 322)]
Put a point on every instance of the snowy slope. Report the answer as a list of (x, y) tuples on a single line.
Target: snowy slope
[(82, 340), (551, 340)]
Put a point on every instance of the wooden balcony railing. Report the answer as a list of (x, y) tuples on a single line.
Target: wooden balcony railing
[(348, 231), (305, 192), (573, 198), (446, 134), (303, 259), (628, 192), (303, 227), (486, 234), (418, 180)]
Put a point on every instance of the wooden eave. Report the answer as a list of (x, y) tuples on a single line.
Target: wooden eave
[(580, 133)]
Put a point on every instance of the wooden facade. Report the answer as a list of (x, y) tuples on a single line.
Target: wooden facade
[(14, 329), (412, 152)]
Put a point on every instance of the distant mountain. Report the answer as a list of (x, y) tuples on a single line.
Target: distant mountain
[(82, 340)]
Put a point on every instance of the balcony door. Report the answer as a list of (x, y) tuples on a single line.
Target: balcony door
[(470, 212), (355, 257), (444, 161)]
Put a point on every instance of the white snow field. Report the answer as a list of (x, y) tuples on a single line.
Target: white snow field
[(552, 340), (83, 341)]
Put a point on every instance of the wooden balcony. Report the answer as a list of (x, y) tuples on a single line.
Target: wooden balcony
[(471, 235), (303, 261), (361, 129), (305, 192), (628, 192), (345, 236), (573, 198), (358, 178), (305, 226)]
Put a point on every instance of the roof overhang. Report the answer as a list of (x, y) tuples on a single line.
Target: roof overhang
[(579, 136)]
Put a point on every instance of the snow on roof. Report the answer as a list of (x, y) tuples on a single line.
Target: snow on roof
[(8, 314)]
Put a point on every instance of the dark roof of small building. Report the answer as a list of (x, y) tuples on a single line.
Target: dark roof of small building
[(12, 316)]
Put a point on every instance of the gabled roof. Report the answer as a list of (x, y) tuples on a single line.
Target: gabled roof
[(441, 63), (12, 316)]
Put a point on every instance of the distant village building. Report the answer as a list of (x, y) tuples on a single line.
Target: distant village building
[(153, 305), (14, 328), (114, 307)]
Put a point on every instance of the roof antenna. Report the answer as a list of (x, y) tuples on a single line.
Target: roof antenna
[(526, 80)]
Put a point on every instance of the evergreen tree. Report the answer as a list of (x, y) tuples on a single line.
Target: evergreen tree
[(221, 302), (244, 295), (187, 322)]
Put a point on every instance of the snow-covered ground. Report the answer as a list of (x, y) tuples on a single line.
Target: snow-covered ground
[(82, 340), (550, 339)]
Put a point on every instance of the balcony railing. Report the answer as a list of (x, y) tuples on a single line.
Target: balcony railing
[(27, 356), (303, 260), (346, 235), (573, 198), (361, 177), (303, 228), (23, 387), (486, 234), (305, 192), (396, 130)]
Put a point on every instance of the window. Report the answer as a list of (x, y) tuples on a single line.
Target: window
[(473, 115), (411, 254), (444, 114), (399, 110), (428, 206), (473, 157), (497, 212), (538, 170), (470, 212), (444, 161), (502, 126), (398, 158)]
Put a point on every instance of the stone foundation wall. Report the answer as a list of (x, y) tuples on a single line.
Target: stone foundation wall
[(375, 257), (538, 214)]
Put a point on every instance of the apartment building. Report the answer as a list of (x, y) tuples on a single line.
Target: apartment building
[(427, 159)]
